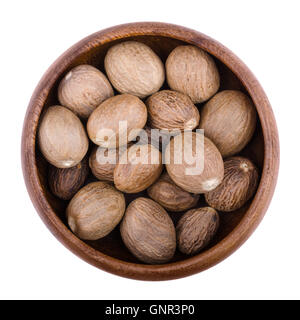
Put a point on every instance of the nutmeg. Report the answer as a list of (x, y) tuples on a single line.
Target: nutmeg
[(238, 186), (64, 183), (145, 138), (148, 231), (158, 138), (138, 167), (171, 110), (107, 122), (95, 210), (194, 163), (195, 229), (229, 120), (133, 67), (83, 89), (165, 192), (103, 161), (192, 71), (62, 138)]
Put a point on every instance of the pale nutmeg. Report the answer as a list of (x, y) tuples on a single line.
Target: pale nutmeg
[(229, 120), (103, 161), (108, 123), (148, 231), (173, 198), (238, 186), (83, 89), (194, 163), (62, 138), (133, 67), (138, 168), (171, 110), (195, 229), (192, 71), (95, 210), (64, 183)]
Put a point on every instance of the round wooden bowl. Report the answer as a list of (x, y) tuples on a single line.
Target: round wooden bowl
[(109, 253)]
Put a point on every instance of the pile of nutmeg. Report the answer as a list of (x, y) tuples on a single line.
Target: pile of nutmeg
[(112, 110)]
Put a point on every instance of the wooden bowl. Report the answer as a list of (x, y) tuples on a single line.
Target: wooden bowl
[(109, 253)]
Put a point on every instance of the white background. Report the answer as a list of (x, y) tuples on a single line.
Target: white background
[(264, 34)]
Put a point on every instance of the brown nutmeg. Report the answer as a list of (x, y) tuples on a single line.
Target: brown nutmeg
[(83, 89), (62, 138), (172, 110), (229, 120), (138, 167), (133, 67), (192, 71), (148, 231), (103, 161), (165, 192), (64, 183), (95, 210), (145, 137), (158, 138), (238, 186), (105, 124), (196, 228), (194, 163)]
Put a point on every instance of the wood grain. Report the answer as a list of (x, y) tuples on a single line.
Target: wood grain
[(109, 253)]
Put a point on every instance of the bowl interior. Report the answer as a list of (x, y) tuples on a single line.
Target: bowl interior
[(112, 244)]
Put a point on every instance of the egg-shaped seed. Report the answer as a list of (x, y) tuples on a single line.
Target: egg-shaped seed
[(133, 67), (195, 229), (192, 71), (238, 186), (64, 183), (148, 231), (95, 210), (165, 192), (62, 138), (117, 121), (171, 110), (103, 161), (138, 168), (194, 163), (83, 89), (229, 120)]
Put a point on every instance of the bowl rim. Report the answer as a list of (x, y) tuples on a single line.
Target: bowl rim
[(191, 265)]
